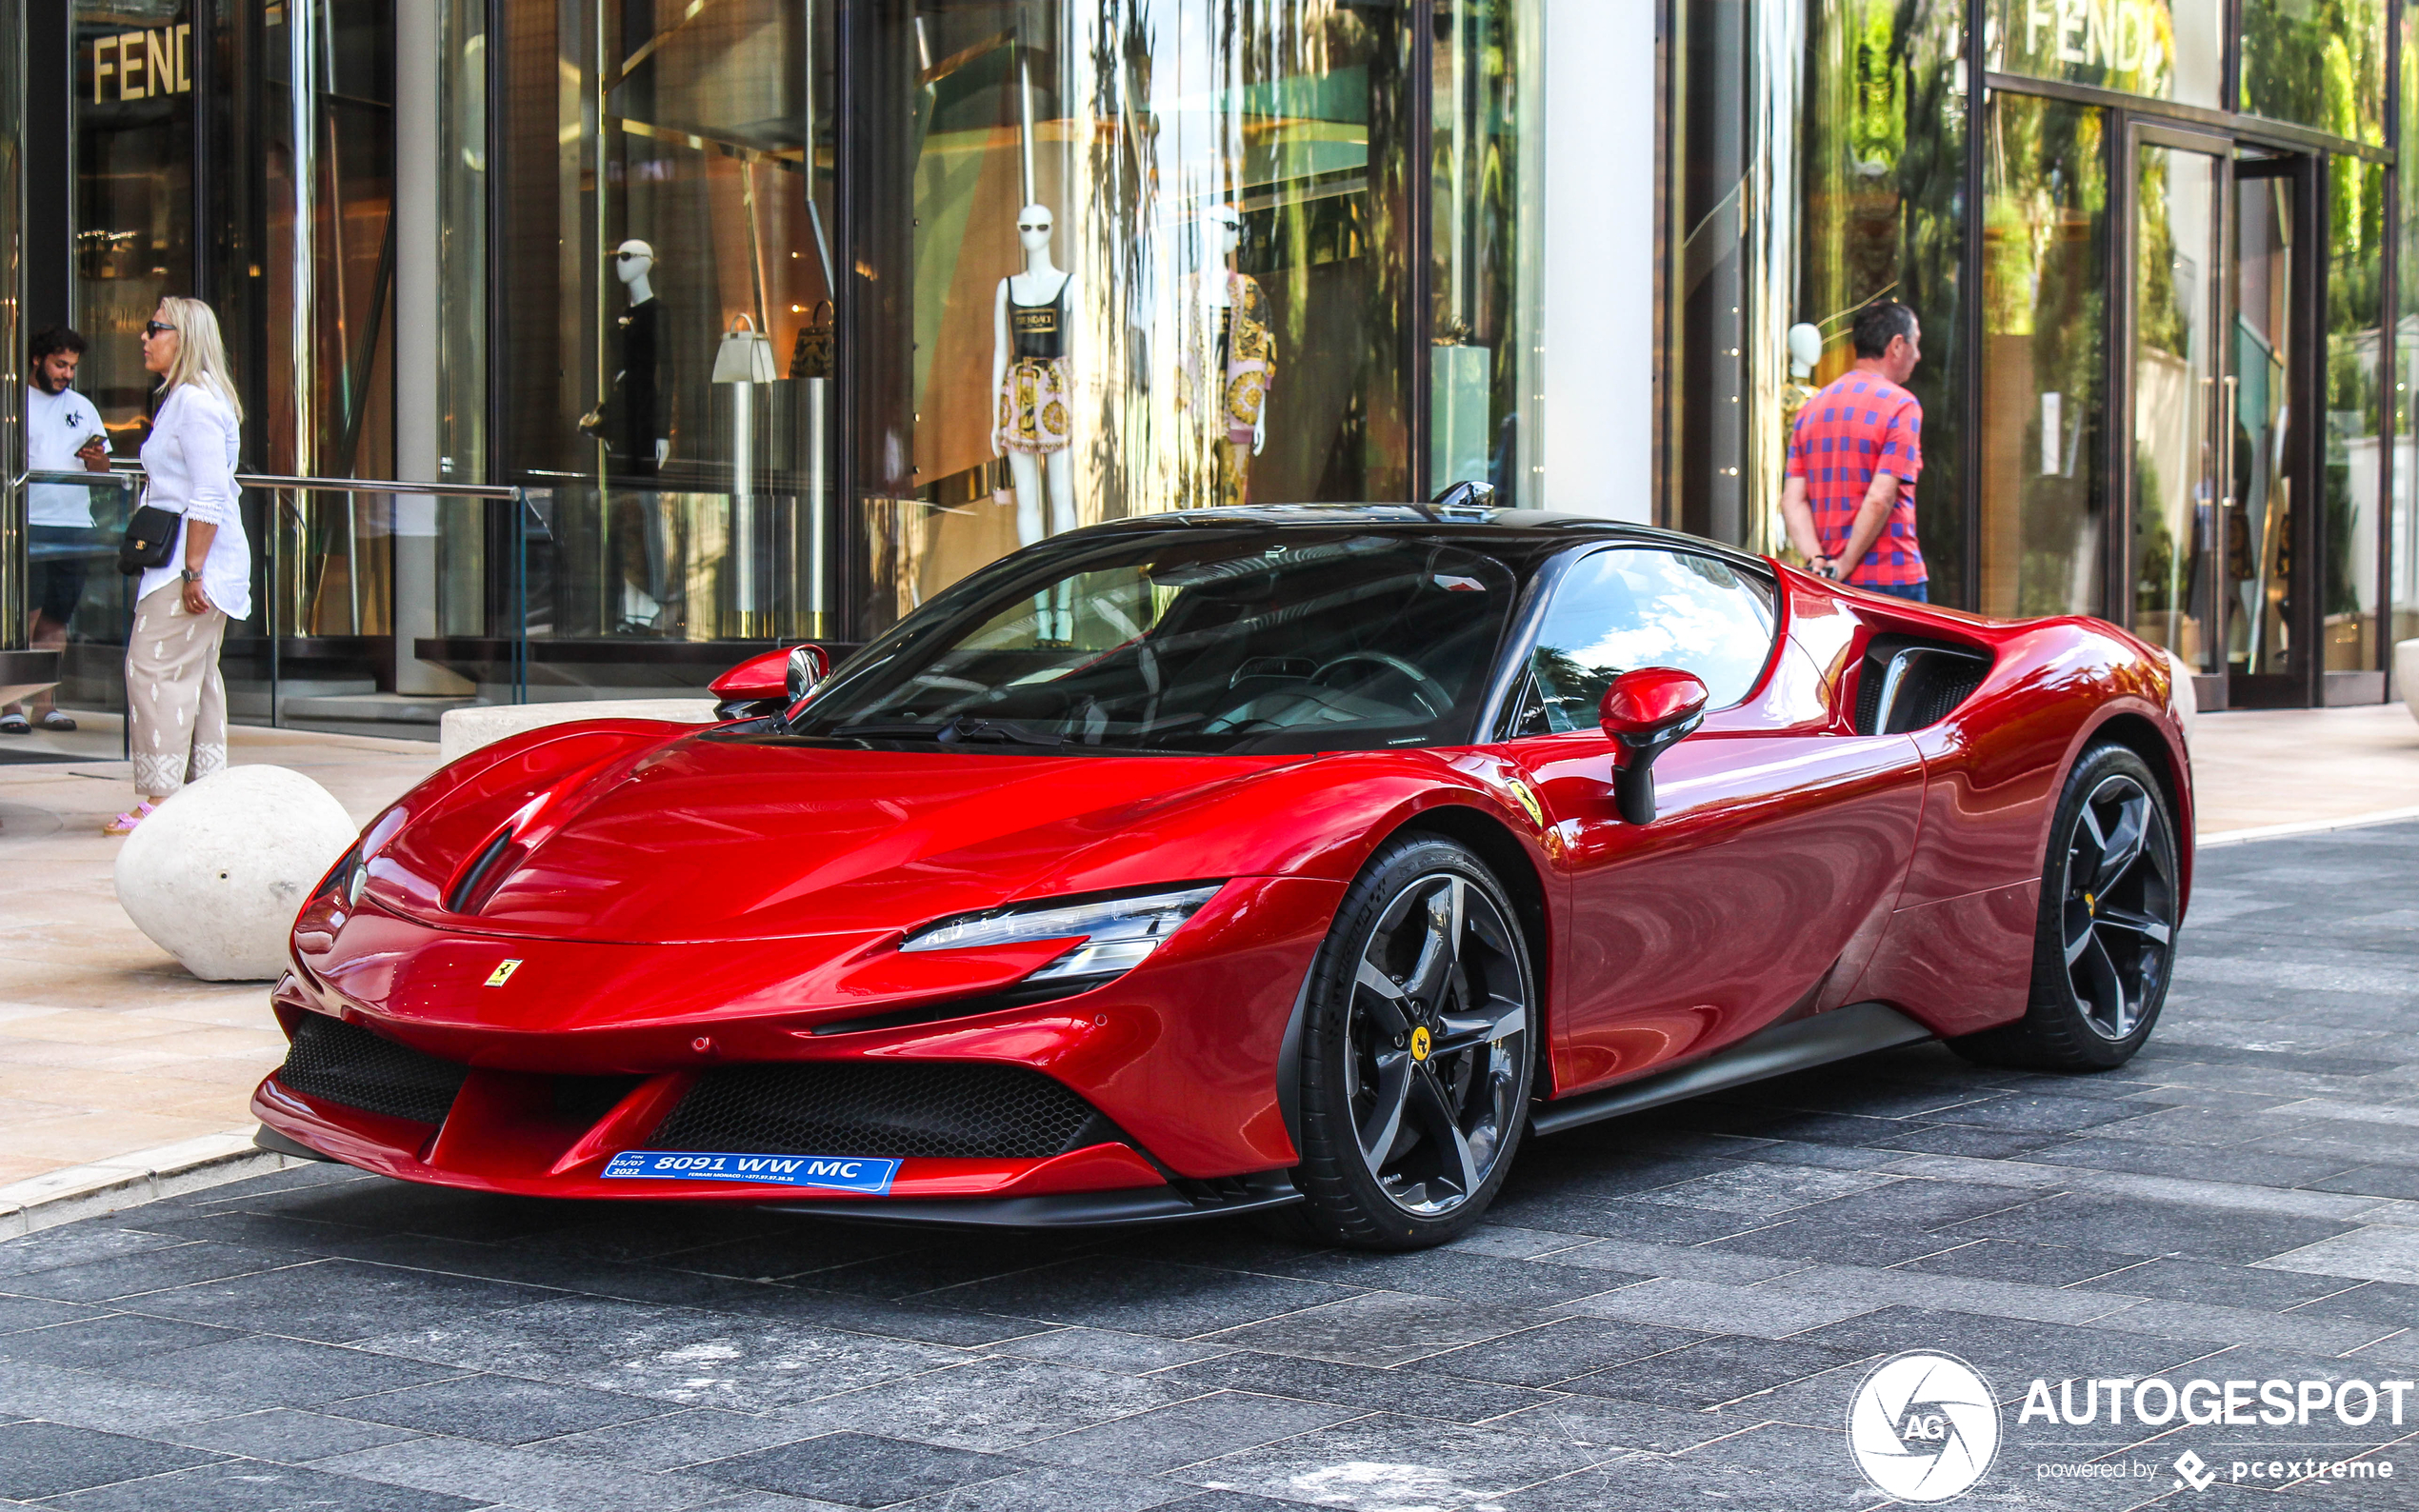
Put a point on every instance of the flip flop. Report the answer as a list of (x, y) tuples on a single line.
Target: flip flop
[(123, 823), (54, 720), (14, 725)]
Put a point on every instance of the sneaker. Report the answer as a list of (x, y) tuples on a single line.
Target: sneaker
[(124, 822)]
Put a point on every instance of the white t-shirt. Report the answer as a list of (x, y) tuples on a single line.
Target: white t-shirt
[(56, 426)]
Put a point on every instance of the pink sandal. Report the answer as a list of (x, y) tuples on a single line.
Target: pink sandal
[(123, 823)]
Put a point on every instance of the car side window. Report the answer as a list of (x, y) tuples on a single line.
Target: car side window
[(1636, 607)]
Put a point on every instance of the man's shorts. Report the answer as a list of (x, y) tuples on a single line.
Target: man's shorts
[(61, 556)]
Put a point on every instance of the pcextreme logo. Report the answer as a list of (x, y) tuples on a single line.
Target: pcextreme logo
[(1923, 1426)]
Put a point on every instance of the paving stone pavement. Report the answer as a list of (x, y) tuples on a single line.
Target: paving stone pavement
[(1669, 1311)]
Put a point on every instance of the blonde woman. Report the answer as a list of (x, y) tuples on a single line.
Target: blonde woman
[(173, 683)]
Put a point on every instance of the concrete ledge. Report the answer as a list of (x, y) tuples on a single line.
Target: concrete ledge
[(129, 1180), (464, 731)]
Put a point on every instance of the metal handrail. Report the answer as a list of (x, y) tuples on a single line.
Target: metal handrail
[(123, 478), (131, 477)]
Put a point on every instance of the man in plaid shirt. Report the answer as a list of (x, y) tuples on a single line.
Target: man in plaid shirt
[(1849, 501)]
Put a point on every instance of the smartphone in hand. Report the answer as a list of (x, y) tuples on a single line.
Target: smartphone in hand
[(94, 453)]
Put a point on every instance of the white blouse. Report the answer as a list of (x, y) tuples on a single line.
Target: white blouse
[(190, 460)]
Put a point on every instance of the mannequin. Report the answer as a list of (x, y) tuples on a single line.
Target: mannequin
[(1032, 368), (637, 371), (1245, 359), (1806, 350)]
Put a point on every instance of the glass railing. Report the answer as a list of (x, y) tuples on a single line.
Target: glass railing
[(377, 603)]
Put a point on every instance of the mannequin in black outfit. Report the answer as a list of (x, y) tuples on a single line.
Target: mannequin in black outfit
[(631, 420)]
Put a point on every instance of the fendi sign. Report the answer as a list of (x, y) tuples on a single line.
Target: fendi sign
[(139, 65)]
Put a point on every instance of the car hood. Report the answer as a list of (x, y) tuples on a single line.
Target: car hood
[(724, 836)]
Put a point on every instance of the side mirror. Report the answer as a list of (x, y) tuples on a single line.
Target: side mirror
[(1647, 712), (769, 683)]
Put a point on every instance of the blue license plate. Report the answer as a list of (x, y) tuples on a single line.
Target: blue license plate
[(836, 1173)]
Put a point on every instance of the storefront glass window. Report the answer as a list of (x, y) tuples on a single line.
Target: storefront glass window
[(1881, 183), (133, 192), (2319, 63), (2168, 49), (1818, 154), (12, 502), (1129, 256), (2403, 540), (1484, 280), (665, 229), (2044, 494), (2349, 477)]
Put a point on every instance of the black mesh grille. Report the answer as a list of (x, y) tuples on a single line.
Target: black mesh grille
[(999, 1112), (1933, 688), (336, 1061)]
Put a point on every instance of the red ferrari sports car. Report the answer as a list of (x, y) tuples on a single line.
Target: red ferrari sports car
[(1287, 857)]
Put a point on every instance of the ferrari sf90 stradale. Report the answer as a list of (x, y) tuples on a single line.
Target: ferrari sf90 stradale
[(1304, 857)]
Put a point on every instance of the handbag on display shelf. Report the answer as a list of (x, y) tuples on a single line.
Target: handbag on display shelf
[(745, 355), (810, 357), (150, 539)]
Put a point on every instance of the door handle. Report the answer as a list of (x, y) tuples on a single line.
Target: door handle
[(2231, 385)]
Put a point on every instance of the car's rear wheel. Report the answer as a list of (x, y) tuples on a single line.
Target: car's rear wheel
[(1417, 1051), (2105, 936)]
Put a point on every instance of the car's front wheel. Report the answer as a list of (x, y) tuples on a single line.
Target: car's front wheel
[(2106, 934), (1417, 1051)]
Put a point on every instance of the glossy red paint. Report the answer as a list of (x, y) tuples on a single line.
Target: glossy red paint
[(664, 886), (1649, 699)]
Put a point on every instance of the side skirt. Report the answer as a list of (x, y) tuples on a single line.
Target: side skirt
[(1858, 1029)]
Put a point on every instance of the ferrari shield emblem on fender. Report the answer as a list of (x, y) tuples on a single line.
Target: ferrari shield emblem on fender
[(502, 973), (1528, 803)]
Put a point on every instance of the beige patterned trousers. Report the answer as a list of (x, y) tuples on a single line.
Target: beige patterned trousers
[(174, 693)]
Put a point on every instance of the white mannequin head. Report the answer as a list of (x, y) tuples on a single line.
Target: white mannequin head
[(1033, 225), (632, 262), (1222, 229), (1806, 350)]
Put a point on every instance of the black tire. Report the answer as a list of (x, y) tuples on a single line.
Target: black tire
[(1419, 1032), (2105, 936)]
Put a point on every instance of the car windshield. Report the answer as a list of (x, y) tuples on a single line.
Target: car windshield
[(1199, 640)]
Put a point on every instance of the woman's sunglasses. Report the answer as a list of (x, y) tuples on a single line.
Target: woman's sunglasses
[(153, 327)]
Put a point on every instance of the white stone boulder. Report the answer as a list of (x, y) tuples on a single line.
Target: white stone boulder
[(2407, 675), (464, 731), (216, 874)]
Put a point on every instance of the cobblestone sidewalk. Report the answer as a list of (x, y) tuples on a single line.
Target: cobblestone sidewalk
[(1663, 1313)]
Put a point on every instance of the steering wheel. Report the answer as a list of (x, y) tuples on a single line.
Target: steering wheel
[(1422, 685)]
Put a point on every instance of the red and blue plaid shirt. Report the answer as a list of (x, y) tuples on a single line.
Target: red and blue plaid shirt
[(1862, 424)]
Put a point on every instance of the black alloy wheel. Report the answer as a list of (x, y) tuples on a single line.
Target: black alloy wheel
[(1418, 1050), (2109, 910)]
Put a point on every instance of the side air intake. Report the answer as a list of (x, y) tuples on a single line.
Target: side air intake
[(1908, 684), (349, 1066)]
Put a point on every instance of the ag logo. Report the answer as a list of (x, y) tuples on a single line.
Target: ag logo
[(1923, 1426)]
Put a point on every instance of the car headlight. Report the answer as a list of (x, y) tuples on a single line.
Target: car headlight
[(344, 879), (1115, 933)]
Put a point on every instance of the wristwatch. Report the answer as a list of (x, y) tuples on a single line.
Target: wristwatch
[(190, 575)]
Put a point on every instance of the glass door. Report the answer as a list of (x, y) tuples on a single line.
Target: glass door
[(2262, 567), (2214, 561), (2175, 369)]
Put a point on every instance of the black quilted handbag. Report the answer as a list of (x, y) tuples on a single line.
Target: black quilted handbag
[(150, 539)]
